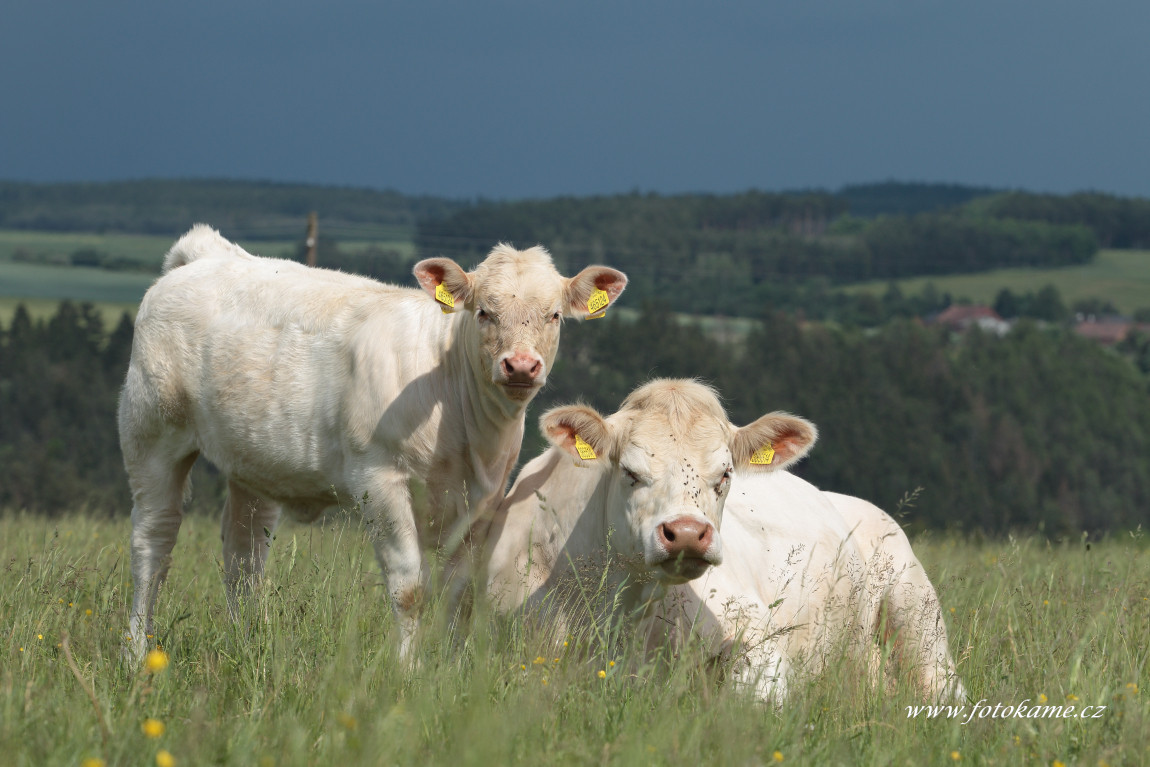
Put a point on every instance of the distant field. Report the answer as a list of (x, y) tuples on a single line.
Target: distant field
[(49, 246), (35, 270), (150, 249), (44, 308), (1121, 276), (21, 280)]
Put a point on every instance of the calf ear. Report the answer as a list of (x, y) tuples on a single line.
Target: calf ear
[(433, 272), (773, 442), (580, 431), (581, 296)]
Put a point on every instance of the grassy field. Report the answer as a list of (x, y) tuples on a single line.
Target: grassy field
[(314, 680), (1120, 276), (35, 268)]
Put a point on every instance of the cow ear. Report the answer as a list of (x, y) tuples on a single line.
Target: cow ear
[(433, 272), (773, 442), (580, 431), (584, 294)]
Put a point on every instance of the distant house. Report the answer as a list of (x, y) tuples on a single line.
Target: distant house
[(1107, 330), (961, 318)]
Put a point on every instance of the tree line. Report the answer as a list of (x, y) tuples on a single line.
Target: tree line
[(1035, 430), (739, 253), (244, 209)]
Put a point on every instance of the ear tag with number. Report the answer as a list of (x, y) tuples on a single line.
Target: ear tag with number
[(763, 456), (585, 451), (597, 304), (443, 296)]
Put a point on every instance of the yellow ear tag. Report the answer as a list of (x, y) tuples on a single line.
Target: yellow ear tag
[(443, 296), (763, 456), (597, 304), (584, 450)]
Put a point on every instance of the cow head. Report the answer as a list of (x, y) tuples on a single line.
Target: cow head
[(668, 459), (516, 301)]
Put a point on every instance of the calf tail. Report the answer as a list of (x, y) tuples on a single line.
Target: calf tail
[(201, 241)]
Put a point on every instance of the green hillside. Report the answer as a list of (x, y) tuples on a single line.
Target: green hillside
[(1120, 276)]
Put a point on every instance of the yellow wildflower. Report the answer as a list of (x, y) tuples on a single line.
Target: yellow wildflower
[(93, 762), (777, 756), (955, 756), (602, 674), (611, 664), (1132, 687), (40, 637), (539, 660), (1057, 763), (153, 728), (1072, 697), (1041, 697), (165, 759), (156, 661)]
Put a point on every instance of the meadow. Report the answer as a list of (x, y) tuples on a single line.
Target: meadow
[(1120, 276), (312, 677)]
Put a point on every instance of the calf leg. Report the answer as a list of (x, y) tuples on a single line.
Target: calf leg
[(248, 524), (391, 527), (158, 484)]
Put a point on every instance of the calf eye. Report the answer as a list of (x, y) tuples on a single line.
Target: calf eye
[(631, 476), (555, 317), (482, 314), (724, 483)]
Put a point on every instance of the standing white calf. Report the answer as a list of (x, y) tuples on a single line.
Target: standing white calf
[(307, 387)]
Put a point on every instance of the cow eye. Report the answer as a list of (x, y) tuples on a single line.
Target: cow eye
[(555, 317), (724, 483), (483, 314), (631, 476)]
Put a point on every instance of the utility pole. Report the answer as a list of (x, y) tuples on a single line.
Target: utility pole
[(312, 237)]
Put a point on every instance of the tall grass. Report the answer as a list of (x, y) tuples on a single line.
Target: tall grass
[(311, 676)]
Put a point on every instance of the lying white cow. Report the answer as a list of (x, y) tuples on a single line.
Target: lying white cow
[(808, 576), (307, 387), (903, 606), (794, 587), (651, 479)]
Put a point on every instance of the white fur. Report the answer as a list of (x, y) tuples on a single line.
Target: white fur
[(309, 387), (799, 578)]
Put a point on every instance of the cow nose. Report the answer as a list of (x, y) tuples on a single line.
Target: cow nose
[(522, 368), (688, 536)]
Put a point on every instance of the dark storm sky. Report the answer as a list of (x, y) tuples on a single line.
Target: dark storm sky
[(519, 98)]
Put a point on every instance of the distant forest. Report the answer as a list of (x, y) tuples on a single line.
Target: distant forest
[(728, 254), (242, 209), (1035, 430)]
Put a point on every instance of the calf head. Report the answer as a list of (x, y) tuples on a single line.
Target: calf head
[(668, 458), (516, 301)]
